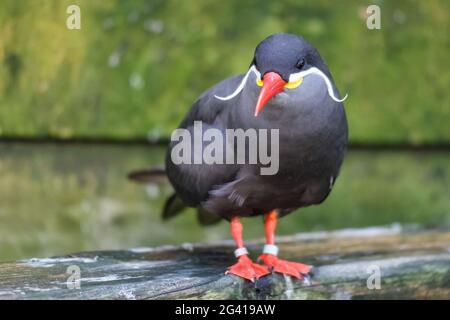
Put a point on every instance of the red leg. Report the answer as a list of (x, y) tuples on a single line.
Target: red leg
[(245, 267), (269, 257)]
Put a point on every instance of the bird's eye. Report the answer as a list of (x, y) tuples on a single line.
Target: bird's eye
[(300, 63)]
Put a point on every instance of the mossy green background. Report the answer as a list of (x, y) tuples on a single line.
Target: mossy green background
[(135, 67)]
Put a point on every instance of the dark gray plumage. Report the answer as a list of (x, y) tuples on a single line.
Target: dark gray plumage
[(313, 138)]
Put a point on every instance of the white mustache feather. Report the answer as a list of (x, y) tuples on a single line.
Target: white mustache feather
[(292, 78), (313, 70), (242, 84)]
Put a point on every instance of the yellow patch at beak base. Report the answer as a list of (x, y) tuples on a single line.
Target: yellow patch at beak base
[(289, 85), (294, 84), (259, 82)]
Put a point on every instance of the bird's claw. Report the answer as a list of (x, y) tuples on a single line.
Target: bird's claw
[(247, 269), (294, 269)]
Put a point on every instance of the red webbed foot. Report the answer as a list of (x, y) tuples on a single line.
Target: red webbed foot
[(294, 269), (247, 269)]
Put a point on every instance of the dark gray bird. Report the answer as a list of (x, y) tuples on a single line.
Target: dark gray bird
[(287, 88)]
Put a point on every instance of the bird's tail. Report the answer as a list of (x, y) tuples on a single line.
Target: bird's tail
[(148, 176), (173, 205)]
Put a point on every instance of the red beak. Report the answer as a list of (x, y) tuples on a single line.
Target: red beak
[(272, 85)]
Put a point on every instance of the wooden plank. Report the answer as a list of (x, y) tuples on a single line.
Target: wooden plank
[(412, 265)]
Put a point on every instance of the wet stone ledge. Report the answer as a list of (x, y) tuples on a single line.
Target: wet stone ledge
[(372, 263)]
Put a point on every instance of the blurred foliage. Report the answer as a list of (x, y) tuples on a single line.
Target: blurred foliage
[(136, 66), (60, 199)]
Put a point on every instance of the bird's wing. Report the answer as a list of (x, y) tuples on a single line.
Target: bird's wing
[(207, 108), (192, 182)]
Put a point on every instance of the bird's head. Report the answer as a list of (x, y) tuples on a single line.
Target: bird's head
[(280, 63)]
